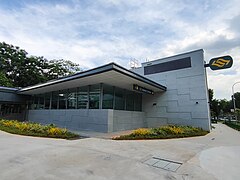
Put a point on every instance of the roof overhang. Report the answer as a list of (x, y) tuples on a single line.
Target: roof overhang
[(8, 89), (111, 74)]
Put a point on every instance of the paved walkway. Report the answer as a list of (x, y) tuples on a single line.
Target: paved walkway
[(92, 134), (214, 156)]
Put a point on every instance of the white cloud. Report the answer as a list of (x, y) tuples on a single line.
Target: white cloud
[(92, 33)]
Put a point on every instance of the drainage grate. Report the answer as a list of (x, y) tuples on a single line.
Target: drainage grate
[(163, 164)]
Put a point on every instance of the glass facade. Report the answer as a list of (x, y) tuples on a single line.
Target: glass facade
[(119, 99), (82, 98), (108, 95), (6, 109), (137, 102), (41, 101), (94, 96), (35, 102), (129, 101), (54, 101), (98, 96), (72, 99), (62, 99), (47, 100)]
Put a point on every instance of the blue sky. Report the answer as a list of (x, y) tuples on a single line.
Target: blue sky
[(96, 32)]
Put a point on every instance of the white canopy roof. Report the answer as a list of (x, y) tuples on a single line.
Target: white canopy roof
[(111, 74)]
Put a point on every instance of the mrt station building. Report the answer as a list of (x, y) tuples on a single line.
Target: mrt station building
[(110, 98)]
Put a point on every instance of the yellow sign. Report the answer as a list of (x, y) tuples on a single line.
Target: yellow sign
[(221, 63)]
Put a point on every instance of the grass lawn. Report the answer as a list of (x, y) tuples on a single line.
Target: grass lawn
[(164, 132), (35, 129), (234, 125)]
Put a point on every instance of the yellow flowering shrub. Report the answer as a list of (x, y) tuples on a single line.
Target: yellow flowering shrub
[(8, 123), (141, 132), (22, 126), (35, 129), (163, 132), (176, 130), (173, 129), (55, 131)]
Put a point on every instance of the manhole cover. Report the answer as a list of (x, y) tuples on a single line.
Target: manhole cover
[(166, 164)]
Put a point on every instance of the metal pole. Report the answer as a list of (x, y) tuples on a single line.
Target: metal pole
[(234, 103)]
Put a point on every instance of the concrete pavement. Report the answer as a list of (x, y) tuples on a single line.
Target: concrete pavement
[(214, 156)]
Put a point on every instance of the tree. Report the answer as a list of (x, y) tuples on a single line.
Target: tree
[(212, 103), (4, 81), (238, 114), (210, 93), (237, 99), (217, 107), (225, 106), (23, 70), (60, 68)]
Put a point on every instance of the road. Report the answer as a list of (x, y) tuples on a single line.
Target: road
[(214, 156)]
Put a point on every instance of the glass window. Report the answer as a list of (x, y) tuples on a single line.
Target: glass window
[(108, 94), (94, 96), (41, 101), (15, 108), (82, 98), (47, 100), (30, 104), (35, 102), (62, 98), (138, 102), (129, 101), (119, 99), (72, 99), (54, 104), (88, 97)]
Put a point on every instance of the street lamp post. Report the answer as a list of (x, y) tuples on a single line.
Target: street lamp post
[(218, 111), (234, 103)]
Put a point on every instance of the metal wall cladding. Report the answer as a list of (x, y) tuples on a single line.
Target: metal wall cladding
[(168, 66)]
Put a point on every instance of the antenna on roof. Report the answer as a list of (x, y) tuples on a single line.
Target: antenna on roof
[(134, 63)]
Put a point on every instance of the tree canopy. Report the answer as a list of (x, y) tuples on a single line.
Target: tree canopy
[(237, 99), (4, 81), (222, 106), (18, 69), (210, 93)]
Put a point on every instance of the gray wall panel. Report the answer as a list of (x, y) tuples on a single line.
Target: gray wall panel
[(126, 120), (186, 98), (79, 119), (100, 120)]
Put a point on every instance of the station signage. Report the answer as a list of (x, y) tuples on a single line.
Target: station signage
[(142, 89), (223, 62)]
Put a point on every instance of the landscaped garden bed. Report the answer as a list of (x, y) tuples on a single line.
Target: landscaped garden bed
[(164, 132), (234, 125), (35, 129)]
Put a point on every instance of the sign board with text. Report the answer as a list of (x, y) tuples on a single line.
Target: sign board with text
[(142, 89)]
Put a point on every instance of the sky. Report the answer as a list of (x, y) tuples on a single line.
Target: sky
[(96, 32)]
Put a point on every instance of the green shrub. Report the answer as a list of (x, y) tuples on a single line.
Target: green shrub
[(35, 129), (158, 131), (164, 132), (234, 125)]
